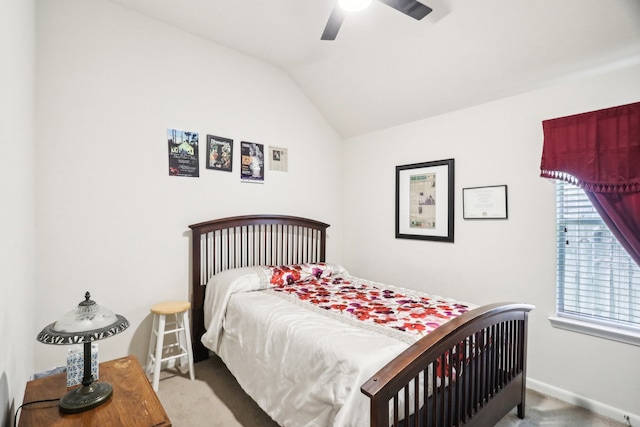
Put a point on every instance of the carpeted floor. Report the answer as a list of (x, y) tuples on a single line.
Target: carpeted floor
[(215, 399)]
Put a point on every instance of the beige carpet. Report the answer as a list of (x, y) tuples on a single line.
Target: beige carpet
[(216, 399)]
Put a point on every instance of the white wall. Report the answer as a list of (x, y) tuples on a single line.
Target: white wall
[(512, 260), (17, 203), (110, 218)]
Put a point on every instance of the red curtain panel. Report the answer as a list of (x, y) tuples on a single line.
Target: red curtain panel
[(600, 152)]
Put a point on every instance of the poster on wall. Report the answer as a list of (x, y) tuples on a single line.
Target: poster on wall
[(252, 164), (183, 153), (219, 153), (278, 159)]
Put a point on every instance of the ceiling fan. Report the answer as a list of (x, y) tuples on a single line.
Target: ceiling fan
[(410, 8)]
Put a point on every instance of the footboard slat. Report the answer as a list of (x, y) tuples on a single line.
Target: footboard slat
[(418, 397), (465, 392), (407, 399), (469, 371)]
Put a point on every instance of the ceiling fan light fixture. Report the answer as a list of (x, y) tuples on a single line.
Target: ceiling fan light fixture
[(354, 5)]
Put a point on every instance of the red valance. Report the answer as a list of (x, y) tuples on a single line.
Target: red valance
[(598, 151)]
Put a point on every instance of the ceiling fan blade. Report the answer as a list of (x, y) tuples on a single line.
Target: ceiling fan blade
[(411, 8), (333, 24)]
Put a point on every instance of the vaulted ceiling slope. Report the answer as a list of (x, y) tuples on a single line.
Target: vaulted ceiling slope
[(386, 69)]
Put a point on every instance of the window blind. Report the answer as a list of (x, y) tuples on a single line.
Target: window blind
[(597, 281)]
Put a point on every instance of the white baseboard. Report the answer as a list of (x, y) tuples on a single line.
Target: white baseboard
[(583, 402)]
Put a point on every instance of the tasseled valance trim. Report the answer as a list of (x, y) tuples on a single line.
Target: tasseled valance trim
[(592, 187)]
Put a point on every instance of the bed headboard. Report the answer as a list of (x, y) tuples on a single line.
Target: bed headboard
[(244, 241)]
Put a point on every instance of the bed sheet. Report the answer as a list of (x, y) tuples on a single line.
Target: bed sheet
[(302, 366)]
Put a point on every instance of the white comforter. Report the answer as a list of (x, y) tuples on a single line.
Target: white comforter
[(302, 368)]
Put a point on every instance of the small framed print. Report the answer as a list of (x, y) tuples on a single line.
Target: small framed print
[(219, 153), (424, 201), (252, 164), (278, 159), (485, 202)]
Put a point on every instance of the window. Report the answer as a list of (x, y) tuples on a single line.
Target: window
[(597, 281)]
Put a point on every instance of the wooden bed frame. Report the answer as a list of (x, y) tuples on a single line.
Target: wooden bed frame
[(480, 356)]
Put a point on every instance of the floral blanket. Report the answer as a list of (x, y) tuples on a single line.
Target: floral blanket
[(330, 288)]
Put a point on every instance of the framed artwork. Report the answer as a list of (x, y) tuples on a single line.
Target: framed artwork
[(484, 202), (252, 165), (183, 153), (425, 201), (278, 159), (219, 153)]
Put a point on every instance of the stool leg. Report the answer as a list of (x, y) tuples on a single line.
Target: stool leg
[(187, 334), (159, 345), (179, 338), (152, 345)]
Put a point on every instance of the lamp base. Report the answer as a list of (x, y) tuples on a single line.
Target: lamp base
[(86, 397)]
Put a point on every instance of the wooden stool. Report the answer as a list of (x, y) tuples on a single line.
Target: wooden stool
[(179, 326)]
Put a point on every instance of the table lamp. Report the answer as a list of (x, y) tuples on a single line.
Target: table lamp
[(87, 323)]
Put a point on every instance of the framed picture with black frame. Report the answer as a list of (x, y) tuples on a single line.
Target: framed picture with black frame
[(219, 153), (425, 201)]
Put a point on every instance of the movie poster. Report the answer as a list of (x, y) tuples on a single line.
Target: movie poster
[(183, 153), (252, 165)]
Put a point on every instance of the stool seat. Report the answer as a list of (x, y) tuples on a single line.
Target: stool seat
[(171, 307), (180, 349)]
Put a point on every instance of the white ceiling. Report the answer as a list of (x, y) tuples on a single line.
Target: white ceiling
[(386, 69)]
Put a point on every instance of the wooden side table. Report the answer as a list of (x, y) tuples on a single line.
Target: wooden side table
[(133, 404)]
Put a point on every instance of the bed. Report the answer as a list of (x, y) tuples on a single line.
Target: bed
[(469, 371)]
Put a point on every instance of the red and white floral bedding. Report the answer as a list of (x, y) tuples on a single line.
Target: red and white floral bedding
[(302, 339), (396, 310)]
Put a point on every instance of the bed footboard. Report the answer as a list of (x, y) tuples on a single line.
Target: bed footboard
[(470, 371)]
